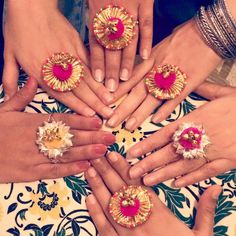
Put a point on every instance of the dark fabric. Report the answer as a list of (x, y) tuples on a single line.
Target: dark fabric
[(171, 13), (1, 40)]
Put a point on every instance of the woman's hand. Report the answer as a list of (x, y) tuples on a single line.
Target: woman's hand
[(184, 48), (108, 177), (33, 31), (115, 65), (20, 158), (218, 119)]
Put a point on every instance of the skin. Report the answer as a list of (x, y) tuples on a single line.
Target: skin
[(48, 31), (18, 132), (114, 65), (161, 222), (220, 153)]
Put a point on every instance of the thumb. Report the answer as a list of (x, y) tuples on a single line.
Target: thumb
[(206, 211), (22, 98), (213, 91)]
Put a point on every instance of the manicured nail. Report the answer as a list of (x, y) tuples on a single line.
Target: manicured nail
[(91, 199), (109, 139), (124, 76), (97, 123), (156, 119), (145, 54), (216, 193), (84, 165), (99, 75), (6, 98), (135, 172), (135, 152), (130, 124), (179, 183), (107, 112), (113, 121), (91, 172), (111, 85), (113, 157), (107, 97), (89, 112), (100, 149), (149, 180)]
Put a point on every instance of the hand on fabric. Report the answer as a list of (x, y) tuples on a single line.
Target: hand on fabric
[(218, 119), (20, 158), (114, 65), (105, 178), (183, 48), (48, 32)]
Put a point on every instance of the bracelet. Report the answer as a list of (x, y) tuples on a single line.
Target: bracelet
[(218, 28)]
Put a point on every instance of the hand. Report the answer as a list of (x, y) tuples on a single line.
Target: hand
[(115, 65), (108, 177), (20, 158), (47, 32), (217, 118), (184, 48)]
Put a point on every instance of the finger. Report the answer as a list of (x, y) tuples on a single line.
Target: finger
[(146, 28), (10, 77), (70, 100), (112, 60), (97, 60), (142, 113), (173, 170), (99, 89), (95, 211), (54, 171), (99, 189), (92, 137), (128, 58), (110, 177), (122, 167), (22, 98), (207, 171), (87, 95), (129, 105), (206, 211), (86, 152), (213, 91), (156, 160)]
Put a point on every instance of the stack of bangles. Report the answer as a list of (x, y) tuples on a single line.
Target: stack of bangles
[(218, 28)]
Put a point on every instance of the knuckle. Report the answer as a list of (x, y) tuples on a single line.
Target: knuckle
[(54, 171)]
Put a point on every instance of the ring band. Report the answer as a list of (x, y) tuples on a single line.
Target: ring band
[(131, 206), (165, 82), (63, 72), (114, 27), (191, 141), (53, 139)]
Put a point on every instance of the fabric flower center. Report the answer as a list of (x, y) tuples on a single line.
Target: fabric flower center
[(62, 71), (130, 208), (115, 28), (164, 81)]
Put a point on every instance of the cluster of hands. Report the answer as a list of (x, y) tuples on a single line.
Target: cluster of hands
[(33, 31)]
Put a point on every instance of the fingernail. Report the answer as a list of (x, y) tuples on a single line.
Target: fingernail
[(111, 85), (107, 97), (91, 172), (149, 180), (136, 152), (109, 139), (145, 54), (124, 76), (113, 121), (6, 98), (131, 123), (135, 172), (179, 183), (113, 157), (100, 149), (89, 112), (97, 123), (216, 193), (84, 165), (155, 119), (107, 112), (91, 199), (99, 75)]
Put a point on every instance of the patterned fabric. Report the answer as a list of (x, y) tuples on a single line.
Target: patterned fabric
[(57, 207)]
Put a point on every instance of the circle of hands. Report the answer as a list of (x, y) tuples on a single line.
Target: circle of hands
[(109, 76)]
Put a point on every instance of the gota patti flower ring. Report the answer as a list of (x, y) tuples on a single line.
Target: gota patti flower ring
[(165, 82), (131, 206), (54, 139), (114, 27), (191, 141), (63, 72)]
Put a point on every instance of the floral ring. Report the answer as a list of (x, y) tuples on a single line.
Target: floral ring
[(165, 82), (54, 139), (114, 27), (62, 72), (191, 141), (131, 206)]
